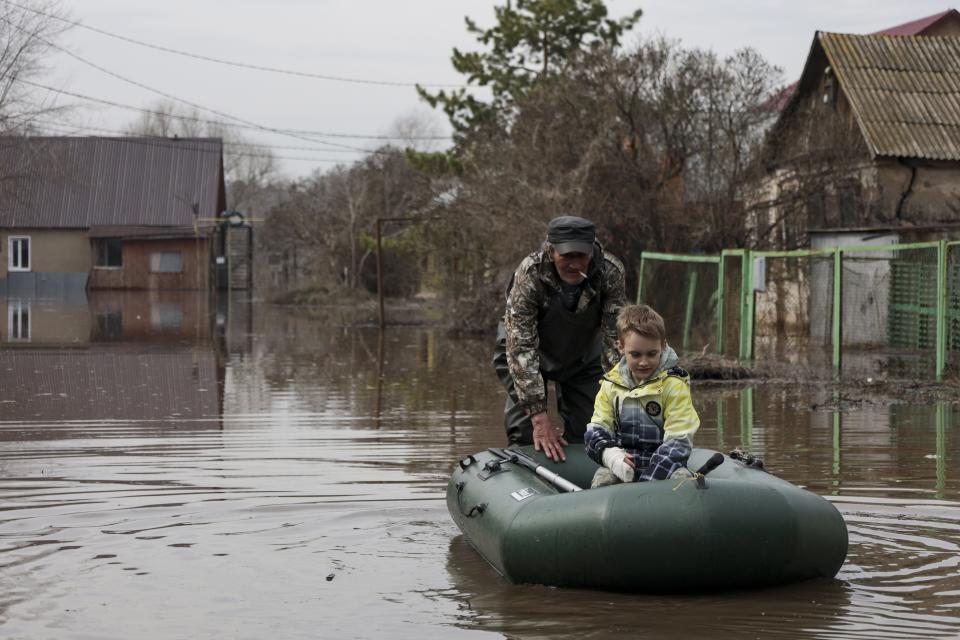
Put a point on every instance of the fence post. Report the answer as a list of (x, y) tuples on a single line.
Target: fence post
[(688, 316), (837, 333), (746, 306), (720, 301), (640, 278), (941, 308)]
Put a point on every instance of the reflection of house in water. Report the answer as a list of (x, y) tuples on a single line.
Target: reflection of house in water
[(119, 356)]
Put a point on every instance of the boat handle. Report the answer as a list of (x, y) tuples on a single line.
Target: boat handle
[(466, 462)]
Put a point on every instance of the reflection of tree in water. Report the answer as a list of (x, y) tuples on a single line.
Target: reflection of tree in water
[(333, 364)]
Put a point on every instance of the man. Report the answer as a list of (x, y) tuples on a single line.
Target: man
[(560, 324)]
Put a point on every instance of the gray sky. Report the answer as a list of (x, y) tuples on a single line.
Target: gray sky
[(374, 40)]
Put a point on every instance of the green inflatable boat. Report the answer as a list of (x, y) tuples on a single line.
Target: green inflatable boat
[(734, 527)]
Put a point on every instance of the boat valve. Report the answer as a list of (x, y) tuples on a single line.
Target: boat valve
[(715, 461)]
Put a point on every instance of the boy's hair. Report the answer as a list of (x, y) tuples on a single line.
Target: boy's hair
[(642, 320)]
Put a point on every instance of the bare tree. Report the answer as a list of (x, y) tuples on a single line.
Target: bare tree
[(418, 129), (328, 223), (653, 144), (27, 35), (248, 168)]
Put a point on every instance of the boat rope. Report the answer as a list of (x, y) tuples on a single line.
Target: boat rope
[(692, 476)]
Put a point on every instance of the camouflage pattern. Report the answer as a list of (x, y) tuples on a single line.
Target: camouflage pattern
[(527, 296)]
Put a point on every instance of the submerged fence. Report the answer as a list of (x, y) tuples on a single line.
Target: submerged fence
[(857, 309)]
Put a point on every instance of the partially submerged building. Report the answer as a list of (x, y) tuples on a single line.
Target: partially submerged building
[(108, 213)]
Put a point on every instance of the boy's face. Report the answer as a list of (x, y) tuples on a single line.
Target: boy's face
[(643, 354)]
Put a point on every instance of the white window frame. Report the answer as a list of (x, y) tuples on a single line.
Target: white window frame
[(11, 242), (157, 261), (15, 330)]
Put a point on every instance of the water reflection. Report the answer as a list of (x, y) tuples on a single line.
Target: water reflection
[(171, 467), (110, 356)]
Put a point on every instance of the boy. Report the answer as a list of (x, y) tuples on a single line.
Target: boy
[(643, 417)]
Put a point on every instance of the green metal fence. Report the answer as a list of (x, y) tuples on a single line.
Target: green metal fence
[(860, 308)]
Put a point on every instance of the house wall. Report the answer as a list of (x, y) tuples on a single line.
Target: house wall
[(817, 164), (136, 274), (59, 262), (916, 192), (51, 251)]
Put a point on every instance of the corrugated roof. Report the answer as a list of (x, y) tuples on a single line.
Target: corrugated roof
[(80, 182), (151, 233), (904, 91), (778, 101)]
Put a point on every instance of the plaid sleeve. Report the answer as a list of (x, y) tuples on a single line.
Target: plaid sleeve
[(597, 440), (600, 432), (669, 456)]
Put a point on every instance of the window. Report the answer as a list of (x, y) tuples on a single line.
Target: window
[(109, 252), (18, 321), (166, 315), (18, 248), (109, 327), (166, 262)]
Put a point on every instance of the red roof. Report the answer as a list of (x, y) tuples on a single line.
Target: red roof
[(916, 27)]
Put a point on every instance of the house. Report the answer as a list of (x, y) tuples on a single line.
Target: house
[(870, 141), (866, 152), (108, 213)]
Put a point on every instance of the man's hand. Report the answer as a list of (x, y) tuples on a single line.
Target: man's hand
[(547, 438)]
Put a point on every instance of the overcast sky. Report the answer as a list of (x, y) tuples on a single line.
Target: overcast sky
[(370, 40)]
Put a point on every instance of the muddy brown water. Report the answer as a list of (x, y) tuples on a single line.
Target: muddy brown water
[(171, 468)]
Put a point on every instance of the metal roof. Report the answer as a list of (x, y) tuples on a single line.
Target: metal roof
[(904, 91), (150, 233), (916, 27), (80, 182)]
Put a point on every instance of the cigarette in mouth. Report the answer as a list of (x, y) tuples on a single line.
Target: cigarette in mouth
[(583, 274)]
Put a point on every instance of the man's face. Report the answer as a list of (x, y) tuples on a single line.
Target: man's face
[(572, 267)]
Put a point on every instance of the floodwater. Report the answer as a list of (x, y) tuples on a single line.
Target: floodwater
[(174, 468)]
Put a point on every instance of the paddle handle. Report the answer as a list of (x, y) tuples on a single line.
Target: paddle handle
[(558, 481), (524, 460)]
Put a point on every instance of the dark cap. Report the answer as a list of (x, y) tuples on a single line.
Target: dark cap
[(570, 234)]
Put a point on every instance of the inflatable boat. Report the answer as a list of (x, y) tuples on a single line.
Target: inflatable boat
[(730, 526)]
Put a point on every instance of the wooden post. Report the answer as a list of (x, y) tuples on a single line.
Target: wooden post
[(380, 275)]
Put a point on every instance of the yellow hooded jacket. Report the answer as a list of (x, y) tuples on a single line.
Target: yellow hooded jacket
[(640, 417)]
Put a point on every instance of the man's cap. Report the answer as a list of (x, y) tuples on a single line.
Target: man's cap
[(571, 234)]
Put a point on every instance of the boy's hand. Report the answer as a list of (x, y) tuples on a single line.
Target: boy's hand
[(546, 438), (620, 463)]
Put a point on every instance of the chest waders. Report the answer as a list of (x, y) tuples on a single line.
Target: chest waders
[(570, 346)]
